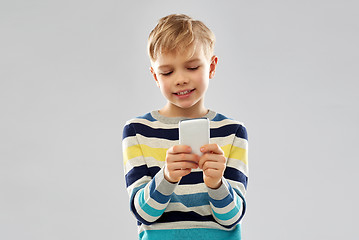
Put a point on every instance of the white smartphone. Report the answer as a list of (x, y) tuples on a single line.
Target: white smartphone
[(194, 133)]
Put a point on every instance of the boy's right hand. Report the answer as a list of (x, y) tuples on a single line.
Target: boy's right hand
[(179, 162)]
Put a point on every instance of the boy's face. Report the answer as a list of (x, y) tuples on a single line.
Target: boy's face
[(183, 79)]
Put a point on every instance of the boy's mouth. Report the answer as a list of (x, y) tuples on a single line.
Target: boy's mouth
[(184, 92)]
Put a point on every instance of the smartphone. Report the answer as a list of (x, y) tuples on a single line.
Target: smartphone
[(194, 133)]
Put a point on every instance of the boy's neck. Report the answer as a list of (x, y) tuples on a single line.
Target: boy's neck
[(173, 111)]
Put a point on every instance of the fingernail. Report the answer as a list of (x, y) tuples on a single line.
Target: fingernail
[(202, 149)]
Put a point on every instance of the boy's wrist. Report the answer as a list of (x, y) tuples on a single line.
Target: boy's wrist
[(166, 176), (220, 192), (163, 185), (216, 185)]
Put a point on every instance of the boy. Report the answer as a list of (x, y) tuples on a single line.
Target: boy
[(175, 194)]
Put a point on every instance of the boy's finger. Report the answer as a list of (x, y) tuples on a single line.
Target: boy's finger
[(185, 157), (212, 148), (211, 157), (179, 149), (184, 165)]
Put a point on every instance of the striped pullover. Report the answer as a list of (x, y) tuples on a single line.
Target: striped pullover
[(188, 209)]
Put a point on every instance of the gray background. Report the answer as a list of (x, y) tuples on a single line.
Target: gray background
[(72, 72)]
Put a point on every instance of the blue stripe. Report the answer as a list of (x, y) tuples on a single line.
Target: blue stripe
[(225, 201), (147, 208), (226, 216), (238, 201), (147, 116), (180, 216), (244, 205), (140, 220), (135, 190), (192, 233), (191, 200), (219, 117), (156, 195)]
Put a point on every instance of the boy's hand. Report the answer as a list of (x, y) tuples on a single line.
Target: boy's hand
[(213, 164), (179, 162)]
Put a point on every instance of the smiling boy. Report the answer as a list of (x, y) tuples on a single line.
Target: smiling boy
[(175, 194)]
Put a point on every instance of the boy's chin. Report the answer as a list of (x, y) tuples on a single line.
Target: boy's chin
[(187, 107)]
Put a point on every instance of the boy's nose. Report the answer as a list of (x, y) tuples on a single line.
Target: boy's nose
[(181, 79)]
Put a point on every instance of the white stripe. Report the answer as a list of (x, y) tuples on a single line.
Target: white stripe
[(155, 124), (237, 185), (158, 124), (139, 182), (153, 203), (156, 142), (184, 225), (142, 213), (192, 189), (216, 124), (227, 208), (237, 164), (139, 161), (177, 206), (230, 139), (129, 141)]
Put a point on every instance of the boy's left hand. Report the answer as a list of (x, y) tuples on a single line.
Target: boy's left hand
[(213, 164)]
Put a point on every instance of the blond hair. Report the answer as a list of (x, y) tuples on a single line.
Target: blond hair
[(176, 33)]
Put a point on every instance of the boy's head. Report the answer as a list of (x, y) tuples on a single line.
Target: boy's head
[(182, 62), (177, 33)]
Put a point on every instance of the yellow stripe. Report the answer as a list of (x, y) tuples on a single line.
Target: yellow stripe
[(235, 153), (143, 150), (160, 153)]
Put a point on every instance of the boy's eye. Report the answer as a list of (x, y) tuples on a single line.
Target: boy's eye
[(193, 68), (166, 73)]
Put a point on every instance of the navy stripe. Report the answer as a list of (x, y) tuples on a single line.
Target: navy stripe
[(192, 178), (177, 216), (235, 175), (228, 130), (138, 172), (242, 132), (172, 134), (147, 131), (128, 131)]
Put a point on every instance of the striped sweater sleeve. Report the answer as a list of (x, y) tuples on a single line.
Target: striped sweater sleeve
[(228, 202), (149, 196)]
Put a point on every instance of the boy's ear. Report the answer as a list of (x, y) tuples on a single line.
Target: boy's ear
[(154, 76), (212, 67)]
